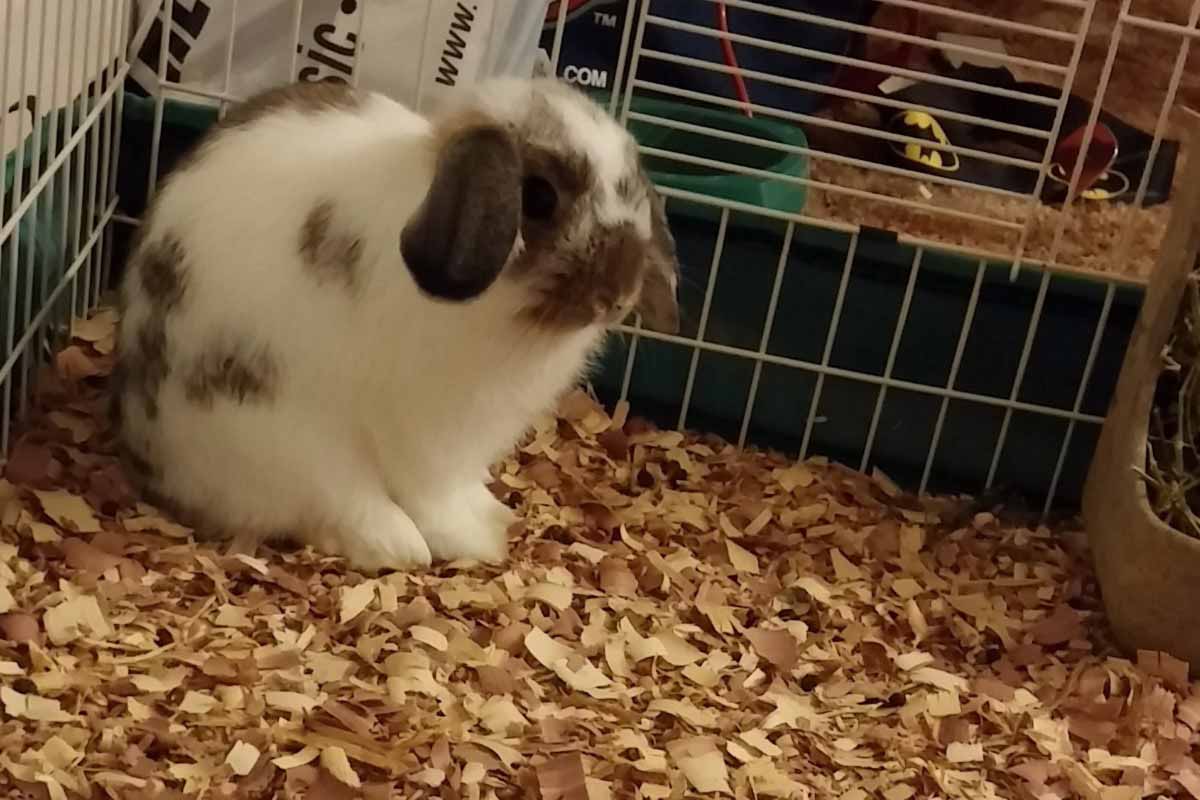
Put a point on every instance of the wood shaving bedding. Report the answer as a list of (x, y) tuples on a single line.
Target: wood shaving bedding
[(678, 619), (1093, 232)]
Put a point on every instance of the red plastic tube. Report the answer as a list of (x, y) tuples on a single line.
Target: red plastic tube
[(739, 85)]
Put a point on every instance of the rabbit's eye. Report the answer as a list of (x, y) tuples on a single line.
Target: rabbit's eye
[(538, 198)]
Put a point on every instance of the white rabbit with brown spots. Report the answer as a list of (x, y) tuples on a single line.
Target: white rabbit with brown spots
[(340, 313)]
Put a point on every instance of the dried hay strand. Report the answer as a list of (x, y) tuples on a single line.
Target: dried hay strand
[(678, 619), (1172, 470)]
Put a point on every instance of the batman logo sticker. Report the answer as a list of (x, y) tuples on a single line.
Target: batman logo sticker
[(920, 125), (1108, 186)]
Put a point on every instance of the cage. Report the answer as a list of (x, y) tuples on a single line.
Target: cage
[(921, 305), (915, 236), (62, 75), (1005, 309)]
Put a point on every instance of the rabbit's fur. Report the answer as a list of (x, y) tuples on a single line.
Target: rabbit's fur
[(340, 313)]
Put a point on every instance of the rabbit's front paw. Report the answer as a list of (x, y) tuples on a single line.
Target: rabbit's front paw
[(494, 512), (386, 538), (471, 526)]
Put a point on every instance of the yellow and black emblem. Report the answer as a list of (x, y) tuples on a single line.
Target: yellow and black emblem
[(920, 125), (1109, 185)]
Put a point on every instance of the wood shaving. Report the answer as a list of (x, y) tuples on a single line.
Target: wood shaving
[(563, 778), (242, 758), (335, 760), (69, 511), (355, 600), (677, 619)]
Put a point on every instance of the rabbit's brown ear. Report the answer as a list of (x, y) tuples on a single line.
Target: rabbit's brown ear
[(460, 237), (659, 303)]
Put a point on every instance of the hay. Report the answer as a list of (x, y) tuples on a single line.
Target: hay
[(678, 619), (1172, 460)]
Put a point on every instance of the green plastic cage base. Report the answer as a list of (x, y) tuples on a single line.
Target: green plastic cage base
[(868, 320)]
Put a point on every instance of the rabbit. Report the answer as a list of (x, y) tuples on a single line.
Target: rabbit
[(339, 313)]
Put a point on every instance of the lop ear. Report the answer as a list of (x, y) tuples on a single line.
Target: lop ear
[(659, 302), (460, 237)]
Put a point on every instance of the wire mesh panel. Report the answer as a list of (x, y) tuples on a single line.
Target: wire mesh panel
[(915, 232), (62, 63)]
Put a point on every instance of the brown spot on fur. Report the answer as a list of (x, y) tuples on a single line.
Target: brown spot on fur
[(586, 285), (629, 187), (579, 283), (149, 367), (160, 268), (575, 283), (546, 150), (570, 171), (658, 304), (161, 271), (304, 96), (574, 182), (329, 252), (232, 373)]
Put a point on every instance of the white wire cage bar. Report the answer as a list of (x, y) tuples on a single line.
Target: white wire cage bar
[(652, 15), (80, 169), (1035, 167), (62, 64), (1018, 224)]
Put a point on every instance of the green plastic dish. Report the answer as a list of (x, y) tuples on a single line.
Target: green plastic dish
[(786, 159)]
